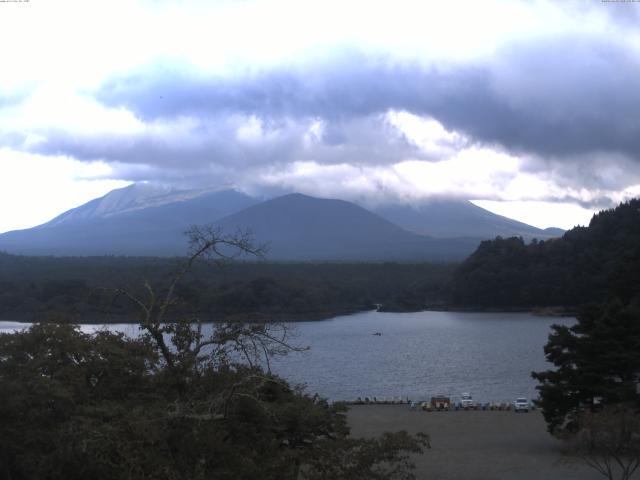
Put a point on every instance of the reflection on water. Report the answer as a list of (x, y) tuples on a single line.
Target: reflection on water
[(416, 355)]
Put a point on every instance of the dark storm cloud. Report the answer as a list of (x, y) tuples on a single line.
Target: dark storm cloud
[(208, 140), (348, 86), (553, 97), (216, 140), (350, 103), (567, 106)]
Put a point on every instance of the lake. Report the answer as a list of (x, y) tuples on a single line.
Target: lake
[(490, 355)]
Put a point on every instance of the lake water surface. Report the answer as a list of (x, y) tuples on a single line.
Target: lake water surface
[(490, 355)]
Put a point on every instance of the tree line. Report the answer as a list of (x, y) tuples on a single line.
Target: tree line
[(32, 288), (588, 264)]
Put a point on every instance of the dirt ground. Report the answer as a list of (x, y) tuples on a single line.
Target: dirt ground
[(477, 445)]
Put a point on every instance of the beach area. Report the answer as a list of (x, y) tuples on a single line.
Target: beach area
[(478, 445)]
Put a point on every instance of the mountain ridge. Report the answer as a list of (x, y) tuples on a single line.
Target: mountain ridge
[(434, 219), (144, 219), (137, 196)]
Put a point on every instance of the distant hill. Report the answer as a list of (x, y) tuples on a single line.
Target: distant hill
[(131, 221), (588, 264), (553, 232), (459, 218), (299, 227)]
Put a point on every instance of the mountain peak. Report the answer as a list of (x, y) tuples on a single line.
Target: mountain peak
[(301, 227), (137, 196), (301, 197)]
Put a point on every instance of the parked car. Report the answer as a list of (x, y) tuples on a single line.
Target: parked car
[(467, 402), (521, 405)]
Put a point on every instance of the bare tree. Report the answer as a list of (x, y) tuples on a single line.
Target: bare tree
[(180, 340), (608, 441)]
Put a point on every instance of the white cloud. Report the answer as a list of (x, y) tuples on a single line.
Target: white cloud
[(35, 188), (540, 214), (52, 107), (78, 43), (428, 134), (472, 172), (58, 53)]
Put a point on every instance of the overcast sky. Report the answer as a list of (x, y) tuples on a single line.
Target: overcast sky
[(531, 109)]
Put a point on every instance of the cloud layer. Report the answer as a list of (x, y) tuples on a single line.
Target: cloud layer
[(545, 111), (554, 96)]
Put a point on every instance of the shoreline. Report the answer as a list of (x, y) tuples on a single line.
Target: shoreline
[(560, 312), (111, 319)]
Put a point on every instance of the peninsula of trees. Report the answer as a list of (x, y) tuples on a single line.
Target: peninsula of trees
[(587, 265)]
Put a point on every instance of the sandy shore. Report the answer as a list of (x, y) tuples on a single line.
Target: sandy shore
[(478, 445)]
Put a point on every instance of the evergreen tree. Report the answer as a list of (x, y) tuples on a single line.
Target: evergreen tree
[(597, 364), (588, 264)]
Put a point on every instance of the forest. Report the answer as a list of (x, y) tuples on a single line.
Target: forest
[(587, 265), (84, 288)]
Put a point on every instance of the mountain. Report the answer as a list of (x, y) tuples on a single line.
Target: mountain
[(202, 204), (299, 227), (134, 197), (554, 232), (135, 220), (459, 218), (144, 219)]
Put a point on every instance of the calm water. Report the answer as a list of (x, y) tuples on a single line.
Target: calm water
[(490, 355)]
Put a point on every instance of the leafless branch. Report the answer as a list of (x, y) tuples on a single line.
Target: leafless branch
[(609, 441)]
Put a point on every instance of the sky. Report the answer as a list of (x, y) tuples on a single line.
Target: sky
[(530, 109)]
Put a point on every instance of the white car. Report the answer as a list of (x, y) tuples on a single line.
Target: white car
[(521, 405), (467, 402)]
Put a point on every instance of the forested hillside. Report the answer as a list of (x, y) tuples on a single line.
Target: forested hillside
[(84, 287), (588, 264)]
